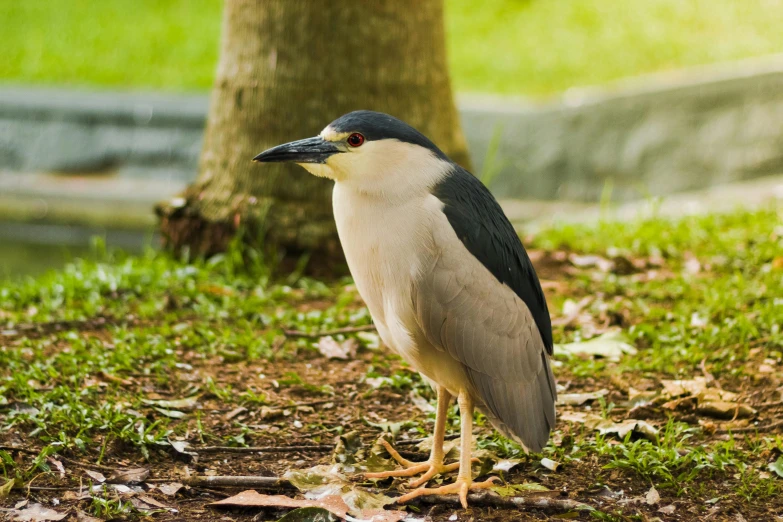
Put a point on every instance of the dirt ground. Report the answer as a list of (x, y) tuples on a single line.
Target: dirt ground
[(307, 399)]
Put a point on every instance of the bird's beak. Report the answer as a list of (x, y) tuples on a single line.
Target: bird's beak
[(310, 150)]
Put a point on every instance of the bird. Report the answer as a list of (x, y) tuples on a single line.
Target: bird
[(446, 279)]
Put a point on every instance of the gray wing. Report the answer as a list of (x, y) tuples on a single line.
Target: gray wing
[(464, 310)]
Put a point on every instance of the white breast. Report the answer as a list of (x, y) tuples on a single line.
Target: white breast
[(386, 246)]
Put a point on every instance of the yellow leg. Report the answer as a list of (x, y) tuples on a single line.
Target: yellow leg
[(434, 465), (464, 482)]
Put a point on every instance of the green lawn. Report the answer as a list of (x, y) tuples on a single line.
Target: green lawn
[(529, 47), (129, 361)]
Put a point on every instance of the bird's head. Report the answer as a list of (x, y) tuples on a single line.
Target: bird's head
[(369, 150)]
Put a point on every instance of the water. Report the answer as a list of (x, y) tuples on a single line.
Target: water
[(32, 249)]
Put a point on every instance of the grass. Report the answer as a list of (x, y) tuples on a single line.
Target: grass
[(527, 47), (92, 356)]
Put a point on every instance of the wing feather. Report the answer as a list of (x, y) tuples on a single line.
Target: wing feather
[(466, 310)]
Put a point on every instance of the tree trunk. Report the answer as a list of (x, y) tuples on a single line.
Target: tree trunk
[(287, 68)]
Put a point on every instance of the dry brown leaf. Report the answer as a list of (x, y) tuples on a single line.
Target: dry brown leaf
[(331, 349), (725, 409), (170, 489), (251, 498), (577, 399), (95, 475), (652, 496), (129, 476), (677, 388), (36, 513)]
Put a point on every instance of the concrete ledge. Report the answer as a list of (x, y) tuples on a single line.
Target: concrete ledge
[(649, 136)]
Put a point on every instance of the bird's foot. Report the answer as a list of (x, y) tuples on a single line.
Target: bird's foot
[(429, 468), (460, 487)]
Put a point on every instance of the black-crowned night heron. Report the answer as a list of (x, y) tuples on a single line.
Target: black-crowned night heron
[(445, 277)]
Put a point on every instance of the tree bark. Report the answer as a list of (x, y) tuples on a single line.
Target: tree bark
[(287, 68)]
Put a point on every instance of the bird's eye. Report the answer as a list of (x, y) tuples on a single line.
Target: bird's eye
[(355, 139)]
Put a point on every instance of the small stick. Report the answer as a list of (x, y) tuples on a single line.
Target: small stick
[(494, 500), (751, 429), (264, 449), (337, 331), (479, 499), (221, 481), (29, 451)]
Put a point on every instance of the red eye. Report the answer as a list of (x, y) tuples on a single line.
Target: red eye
[(355, 139)]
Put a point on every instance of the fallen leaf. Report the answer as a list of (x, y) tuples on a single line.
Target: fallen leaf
[(332, 503), (323, 481), (590, 420), (667, 510), (652, 496), (170, 489), (384, 515), (129, 476), (646, 430), (550, 464), (181, 446), (147, 503), (236, 411), (677, 388), (268, 413), (73, 495), (577, 399), (308, 514), (377, 382), (420, 402), (57, 465), (777, 467), (390, 427), (172, 414), (611, 345), (95, 475), (371, 340), (641, 397), (513, 490), (725, 409), (178, 404), (506, 464), (331, 349), (36, 513), (6, 488), (589, 261)]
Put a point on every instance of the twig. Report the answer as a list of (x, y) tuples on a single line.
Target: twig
[(311, 403), (769, 404), (751, 429), (336, 331), (264, 449), (19, 448), (494, 500), (478, 499), (221, 481)]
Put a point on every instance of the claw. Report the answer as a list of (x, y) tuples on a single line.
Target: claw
[(429, 468), (460, 487)]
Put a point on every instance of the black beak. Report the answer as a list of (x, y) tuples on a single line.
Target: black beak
[(310, 150)]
